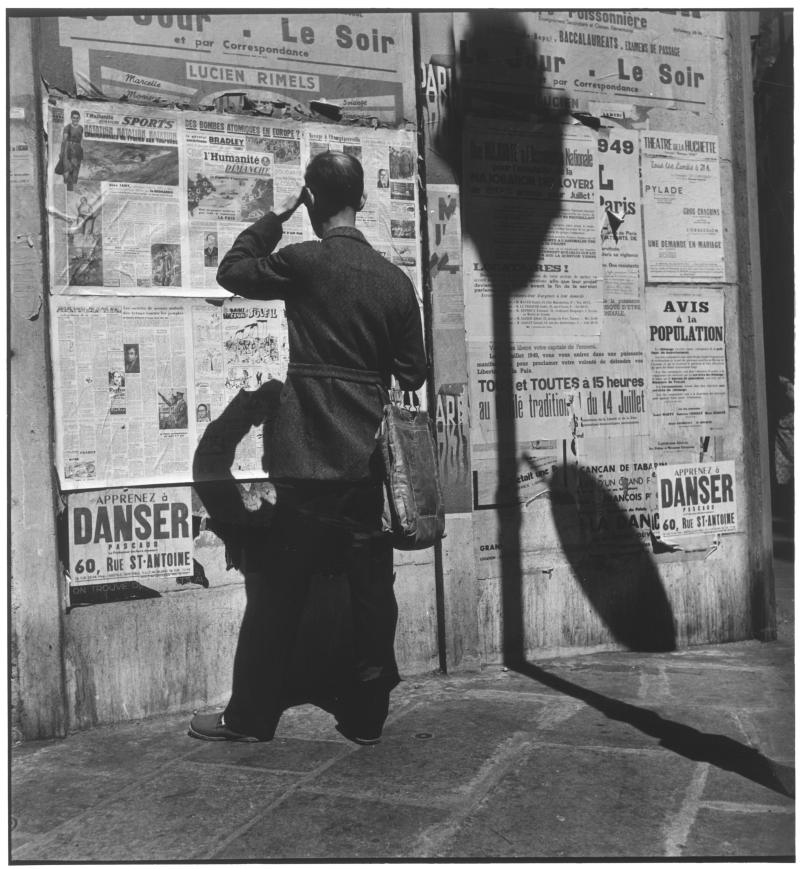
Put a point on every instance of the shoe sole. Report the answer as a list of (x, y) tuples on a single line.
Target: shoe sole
[(360, 740), (207, 738)]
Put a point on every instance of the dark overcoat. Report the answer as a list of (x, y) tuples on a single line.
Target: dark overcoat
[(354, 321)]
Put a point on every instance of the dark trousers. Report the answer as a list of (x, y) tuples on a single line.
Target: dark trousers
[(320, 529)]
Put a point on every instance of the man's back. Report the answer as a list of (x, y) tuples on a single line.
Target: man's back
[(353, 321)]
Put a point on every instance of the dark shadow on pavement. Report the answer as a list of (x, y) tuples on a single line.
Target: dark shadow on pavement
[(713, 748)]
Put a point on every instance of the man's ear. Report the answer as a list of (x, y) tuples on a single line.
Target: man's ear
[(308, 197), (363, 202)]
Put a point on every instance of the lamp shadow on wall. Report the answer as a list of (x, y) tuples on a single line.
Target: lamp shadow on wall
[(633, 606), (616, 573)]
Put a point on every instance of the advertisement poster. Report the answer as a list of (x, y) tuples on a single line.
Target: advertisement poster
[(563, 60), (682, 207), (687, 375), (697, 498), (129, 534), (530, 231), (359, 63)]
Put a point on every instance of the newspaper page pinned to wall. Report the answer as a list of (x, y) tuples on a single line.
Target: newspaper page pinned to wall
[(129, 534), (390, 217), (137, 382), (564, 60), (237, 169), (530, 231), (145, 201), (241, 353), (115, 200), (620, 208), (682, 207), (687, 373), (358, 65)]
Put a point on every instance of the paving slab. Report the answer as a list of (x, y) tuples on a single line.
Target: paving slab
[(178, 815), (332, 826), (568, 803), (726, 834), (434, 751)]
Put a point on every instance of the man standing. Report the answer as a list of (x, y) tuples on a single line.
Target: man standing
[(354, 322)]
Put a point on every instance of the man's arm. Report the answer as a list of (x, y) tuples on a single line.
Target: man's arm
[(250, 268)]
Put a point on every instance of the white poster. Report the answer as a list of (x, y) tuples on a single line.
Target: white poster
[(697, 498), (682, 207), (687, 374), (125, 534)]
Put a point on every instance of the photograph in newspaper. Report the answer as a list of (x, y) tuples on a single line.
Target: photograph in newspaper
[(682, 207), (129, 534), (526, 183), (113, 199), (687, 380)]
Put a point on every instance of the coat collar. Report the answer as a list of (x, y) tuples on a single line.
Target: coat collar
[(347, 232)]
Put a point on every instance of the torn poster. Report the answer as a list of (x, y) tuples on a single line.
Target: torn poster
[(560, 61), (361, 62)]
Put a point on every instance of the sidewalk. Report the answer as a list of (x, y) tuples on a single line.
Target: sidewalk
[(615, 755)]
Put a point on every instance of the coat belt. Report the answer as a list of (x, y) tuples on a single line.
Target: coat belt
[(338, 372)]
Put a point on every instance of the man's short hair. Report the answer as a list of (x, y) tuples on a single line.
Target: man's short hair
[(336, 179)]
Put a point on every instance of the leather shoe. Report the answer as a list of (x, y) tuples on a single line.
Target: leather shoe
[(211, 726), (353, 735)]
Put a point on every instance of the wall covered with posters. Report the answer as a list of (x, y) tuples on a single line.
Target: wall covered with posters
[(589, 155), (560, 188)]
